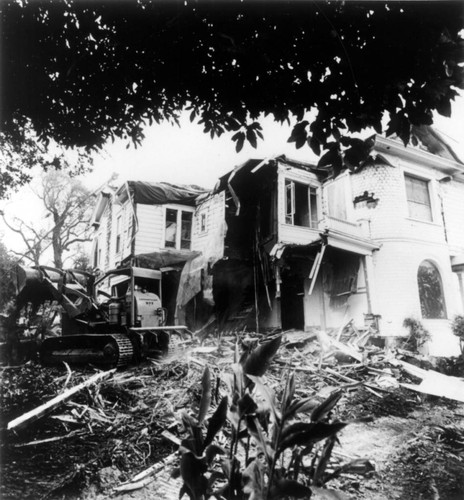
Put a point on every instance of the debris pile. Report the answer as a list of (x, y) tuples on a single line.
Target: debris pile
[(112, 432)]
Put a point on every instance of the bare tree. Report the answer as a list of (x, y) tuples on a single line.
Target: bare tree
[(35, 240), (68, 204)]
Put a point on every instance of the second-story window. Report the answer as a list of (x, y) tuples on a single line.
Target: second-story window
[(301, 204), (186, 230), (418, 196), (336, 198), (178, 229), (171, 228)]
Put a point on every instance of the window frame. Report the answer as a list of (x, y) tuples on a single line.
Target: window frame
[(289, 216), (179, 209), (429, 186), (203, 223), (427, 263)]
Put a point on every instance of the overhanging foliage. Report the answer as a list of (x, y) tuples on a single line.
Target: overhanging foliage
[(87, 72)]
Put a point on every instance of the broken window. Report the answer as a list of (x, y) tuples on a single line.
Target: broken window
[(301, 204), (178, 229), (418, 196), (430, 291)]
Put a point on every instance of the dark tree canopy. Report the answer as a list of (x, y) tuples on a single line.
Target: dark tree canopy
[(85, 72)]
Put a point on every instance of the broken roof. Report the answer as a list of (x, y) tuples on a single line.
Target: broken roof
[(254, 164), (159, 193)]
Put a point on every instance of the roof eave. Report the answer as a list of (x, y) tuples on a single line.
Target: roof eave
[(393, 147)]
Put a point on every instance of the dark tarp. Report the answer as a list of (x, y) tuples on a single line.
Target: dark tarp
[(164, 258), (161, 192)]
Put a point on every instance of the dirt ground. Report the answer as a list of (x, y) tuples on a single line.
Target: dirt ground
[(106, 435)]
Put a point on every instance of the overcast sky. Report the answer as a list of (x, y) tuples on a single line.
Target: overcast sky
[(185, 155)]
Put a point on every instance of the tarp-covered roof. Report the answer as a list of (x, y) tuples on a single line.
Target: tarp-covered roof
[(158, 193), (165, 257)]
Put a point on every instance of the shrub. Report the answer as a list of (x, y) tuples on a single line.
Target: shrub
[(418, 335), (457, 326), (269, 454)]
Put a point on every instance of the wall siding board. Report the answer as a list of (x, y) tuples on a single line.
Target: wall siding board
[(150, 228)]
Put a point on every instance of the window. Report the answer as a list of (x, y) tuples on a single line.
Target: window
[(301, 204), (203, 223), (118, 234), (336, 199), (171, 228), (178, 229), (418, 196), (430, 291), (186, 230)]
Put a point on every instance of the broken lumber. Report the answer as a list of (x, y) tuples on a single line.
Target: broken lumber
[(49, 406), (51, 439), (143, 478), (434, 383)]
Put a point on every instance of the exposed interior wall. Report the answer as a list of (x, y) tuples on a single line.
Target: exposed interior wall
[(325, 308), (209, 227)]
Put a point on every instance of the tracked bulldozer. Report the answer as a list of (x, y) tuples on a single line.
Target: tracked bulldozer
[(109, 320)]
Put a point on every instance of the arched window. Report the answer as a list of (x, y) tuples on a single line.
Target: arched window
[(430, 291)]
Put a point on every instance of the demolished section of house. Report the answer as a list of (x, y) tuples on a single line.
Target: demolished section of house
[(281, 244)]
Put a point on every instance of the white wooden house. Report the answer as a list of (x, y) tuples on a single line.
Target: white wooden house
[(293, 247)]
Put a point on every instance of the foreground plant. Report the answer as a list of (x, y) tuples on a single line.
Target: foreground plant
[(269, 453)]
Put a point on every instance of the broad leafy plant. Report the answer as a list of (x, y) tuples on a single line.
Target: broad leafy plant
[(270, 452)]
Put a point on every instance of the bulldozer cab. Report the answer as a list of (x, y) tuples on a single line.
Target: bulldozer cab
[(135, 293)]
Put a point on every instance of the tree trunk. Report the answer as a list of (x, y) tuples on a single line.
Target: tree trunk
[(56, 241)]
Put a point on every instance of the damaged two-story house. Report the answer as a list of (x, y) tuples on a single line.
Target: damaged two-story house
[(280, 244)]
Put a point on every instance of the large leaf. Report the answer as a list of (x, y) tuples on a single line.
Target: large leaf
[(283, 488), (194, 441), (267, 395), (299, 134), (324, 459), (302, 406), (253, 480), (256, 431), (238, 379), (305, 434), (320, 412), (259, 359), (233, 488), (246, 405), (192, 470), (211, 451), (205, 395), (216, 421), (289, 392)]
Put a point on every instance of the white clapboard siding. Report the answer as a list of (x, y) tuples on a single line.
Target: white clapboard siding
[(150, 228), (212, 211)]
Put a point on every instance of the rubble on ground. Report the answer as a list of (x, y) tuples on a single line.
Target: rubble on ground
[(121, 433)]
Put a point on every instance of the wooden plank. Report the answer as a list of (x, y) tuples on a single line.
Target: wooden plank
[(143, 478), (49, 406), (438, 384)]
